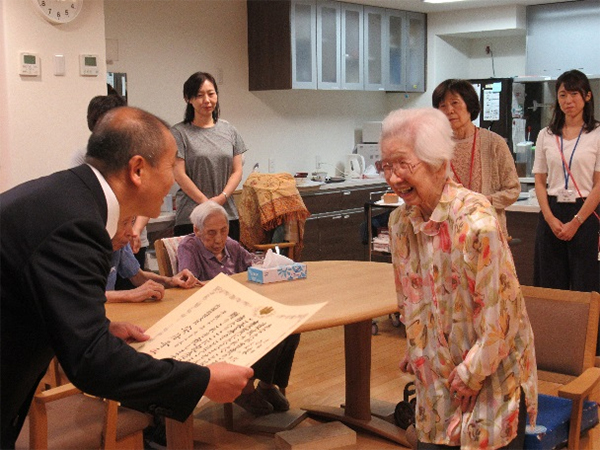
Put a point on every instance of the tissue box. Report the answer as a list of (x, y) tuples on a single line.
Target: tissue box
[(294, 271)]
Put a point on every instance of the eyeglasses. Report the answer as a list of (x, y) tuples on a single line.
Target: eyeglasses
[(398, 167)]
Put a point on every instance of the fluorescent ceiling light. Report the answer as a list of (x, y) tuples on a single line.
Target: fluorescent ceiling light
[(441, 1)]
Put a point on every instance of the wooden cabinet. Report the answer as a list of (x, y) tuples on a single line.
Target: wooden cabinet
[(333, 230), (325, 44), (522, 229), (282, 44)]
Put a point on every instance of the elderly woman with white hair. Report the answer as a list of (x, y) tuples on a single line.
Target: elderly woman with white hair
[(210, 251), (469, 340)]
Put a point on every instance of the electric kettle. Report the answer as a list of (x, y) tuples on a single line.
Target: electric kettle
[(355, 165)]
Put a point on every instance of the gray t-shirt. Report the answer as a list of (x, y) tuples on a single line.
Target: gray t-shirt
[(208, 155)]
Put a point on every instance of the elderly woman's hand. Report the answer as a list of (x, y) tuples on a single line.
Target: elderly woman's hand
[(405, 365), (185, 279), (461, 392)]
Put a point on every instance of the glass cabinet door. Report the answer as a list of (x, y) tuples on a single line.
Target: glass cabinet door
[(415, 52), (395, 68), (373, 48), (328, 45), (352, 47), (303, 28)]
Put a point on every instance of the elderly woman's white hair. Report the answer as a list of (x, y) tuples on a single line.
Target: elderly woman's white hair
[(426, 130), (203, 211)]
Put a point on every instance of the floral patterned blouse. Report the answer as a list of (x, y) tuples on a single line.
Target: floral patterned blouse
[(461, 303)]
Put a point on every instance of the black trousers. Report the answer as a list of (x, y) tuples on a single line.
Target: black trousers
[(516, 444), (569, 265), (276, 366)]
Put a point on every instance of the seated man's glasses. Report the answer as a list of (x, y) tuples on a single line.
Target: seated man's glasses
[(398, 167)]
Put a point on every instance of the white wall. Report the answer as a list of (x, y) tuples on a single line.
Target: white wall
[(162, 43), (44, 118)]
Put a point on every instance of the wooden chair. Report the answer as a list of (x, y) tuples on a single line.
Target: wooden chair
[(53, 377), (166, 255), (63, 417), (565, 328)]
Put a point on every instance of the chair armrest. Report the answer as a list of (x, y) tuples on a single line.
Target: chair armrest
[(578, 390), (582, 385), (57, 393)]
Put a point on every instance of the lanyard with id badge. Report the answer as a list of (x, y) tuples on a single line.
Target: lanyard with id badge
[(567, 195)]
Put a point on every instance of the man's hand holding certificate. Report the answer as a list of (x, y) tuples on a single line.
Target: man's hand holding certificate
[(224, 321)]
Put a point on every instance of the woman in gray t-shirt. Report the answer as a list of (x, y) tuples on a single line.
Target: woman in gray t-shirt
[(209, 155)]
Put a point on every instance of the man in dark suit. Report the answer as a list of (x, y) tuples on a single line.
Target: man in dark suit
[(55, 248)]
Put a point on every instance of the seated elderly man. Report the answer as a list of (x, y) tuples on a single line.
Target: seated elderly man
[(149, 285), (206, 253)]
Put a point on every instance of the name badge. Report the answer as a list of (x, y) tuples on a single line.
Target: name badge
[(566, 196)]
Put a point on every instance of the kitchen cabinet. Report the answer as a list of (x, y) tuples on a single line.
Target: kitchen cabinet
[(325, 44), (562, 36), (304, 65), (395, 43), (404, 41), (328, 45), (352, 51), (334, 236), (374, 48), (522, 228), (339, 45), (333, 229), (282, 51)]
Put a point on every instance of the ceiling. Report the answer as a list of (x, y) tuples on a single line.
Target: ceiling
[(419, 6)]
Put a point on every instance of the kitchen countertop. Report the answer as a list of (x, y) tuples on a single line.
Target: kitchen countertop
[(165, 220), (524, 205), (349, 183)]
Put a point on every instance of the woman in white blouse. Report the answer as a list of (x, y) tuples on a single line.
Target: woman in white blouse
[(567, 185)]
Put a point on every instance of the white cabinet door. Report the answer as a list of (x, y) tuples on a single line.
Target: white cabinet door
[(374, 48), (303, 20), (404, 41), (328, 45), (352, 54), (415, 45), (394, 78)]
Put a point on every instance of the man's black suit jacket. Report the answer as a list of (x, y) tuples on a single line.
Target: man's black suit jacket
[(55, 257)]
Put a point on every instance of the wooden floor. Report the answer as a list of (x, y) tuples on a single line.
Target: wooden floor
[(317, 378)]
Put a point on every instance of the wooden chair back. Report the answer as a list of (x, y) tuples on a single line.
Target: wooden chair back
[(565, 328), (166, 255)]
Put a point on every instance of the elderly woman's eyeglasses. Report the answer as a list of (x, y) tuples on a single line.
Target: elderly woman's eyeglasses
[(398, 167)]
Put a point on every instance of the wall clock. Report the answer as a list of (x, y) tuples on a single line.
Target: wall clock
[(58, 11)]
